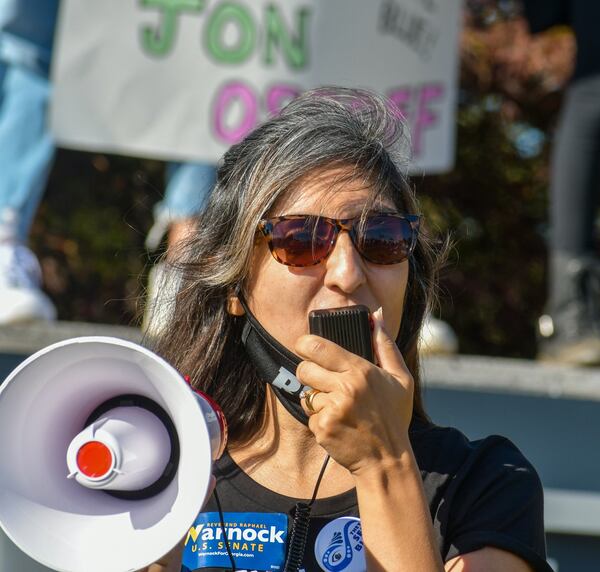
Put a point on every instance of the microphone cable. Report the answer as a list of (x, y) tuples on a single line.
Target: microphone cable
[(233, 568), (299, 532)]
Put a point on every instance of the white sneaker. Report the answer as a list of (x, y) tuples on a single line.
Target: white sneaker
[(21, 297), (437, 337)]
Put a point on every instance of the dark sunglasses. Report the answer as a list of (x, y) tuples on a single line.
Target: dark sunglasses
[(306, 240)]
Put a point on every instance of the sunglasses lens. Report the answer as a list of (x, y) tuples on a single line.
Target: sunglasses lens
[(301, 241), (386, 239)]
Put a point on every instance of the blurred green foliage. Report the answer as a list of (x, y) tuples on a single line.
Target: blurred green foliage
[(89, 234), (493, 205), (90, 229)]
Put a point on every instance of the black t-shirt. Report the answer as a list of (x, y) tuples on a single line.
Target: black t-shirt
[(480, 493)]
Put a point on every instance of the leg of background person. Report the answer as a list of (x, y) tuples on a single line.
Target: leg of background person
[(575, 174), (26, 153), (189, 186), (572, 323)]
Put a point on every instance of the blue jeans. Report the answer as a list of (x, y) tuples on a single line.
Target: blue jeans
[(26, 147), (188, 188)]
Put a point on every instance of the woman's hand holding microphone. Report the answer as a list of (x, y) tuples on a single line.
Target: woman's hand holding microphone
[(360, 412)]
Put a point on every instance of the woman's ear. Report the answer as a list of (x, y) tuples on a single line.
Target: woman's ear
[(234, 306)]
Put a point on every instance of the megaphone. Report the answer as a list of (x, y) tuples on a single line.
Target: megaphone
[(105, 455)]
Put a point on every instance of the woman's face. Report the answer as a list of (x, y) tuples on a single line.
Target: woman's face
[(281, 297)]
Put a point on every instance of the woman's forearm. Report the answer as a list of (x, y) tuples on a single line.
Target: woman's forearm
[(395, 519)]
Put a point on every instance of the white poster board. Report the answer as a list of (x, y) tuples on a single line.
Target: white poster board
[(184, 79)]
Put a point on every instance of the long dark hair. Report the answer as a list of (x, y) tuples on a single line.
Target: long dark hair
[(321, 129)]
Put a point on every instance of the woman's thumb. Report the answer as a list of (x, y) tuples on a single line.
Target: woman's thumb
[(387, 353)]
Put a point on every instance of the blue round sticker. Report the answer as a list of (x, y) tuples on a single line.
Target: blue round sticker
[(339, 546)]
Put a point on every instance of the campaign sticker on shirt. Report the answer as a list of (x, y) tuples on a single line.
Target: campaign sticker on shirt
[(339, 546), (257, 541)]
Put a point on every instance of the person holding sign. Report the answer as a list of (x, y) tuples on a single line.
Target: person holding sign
[(311, 212), (27, 148)]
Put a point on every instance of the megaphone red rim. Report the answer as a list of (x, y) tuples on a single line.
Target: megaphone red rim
[(222, 420), (220, 417)]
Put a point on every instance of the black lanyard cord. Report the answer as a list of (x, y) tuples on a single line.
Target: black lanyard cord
[(233, 568), (299, 532)]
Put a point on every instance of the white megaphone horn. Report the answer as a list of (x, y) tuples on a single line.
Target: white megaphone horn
[(105, 455)]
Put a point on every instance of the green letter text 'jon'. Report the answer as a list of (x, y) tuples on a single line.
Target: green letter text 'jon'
[(224, 15), (160, 41)]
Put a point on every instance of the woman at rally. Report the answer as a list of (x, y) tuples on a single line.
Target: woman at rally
[(311, 211)]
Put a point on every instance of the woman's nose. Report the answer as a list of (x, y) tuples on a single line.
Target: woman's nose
[(344, 266)]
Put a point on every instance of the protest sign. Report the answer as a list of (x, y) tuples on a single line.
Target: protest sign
[(184, 79)]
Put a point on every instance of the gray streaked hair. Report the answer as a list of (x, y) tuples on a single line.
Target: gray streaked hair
[(321, 130)]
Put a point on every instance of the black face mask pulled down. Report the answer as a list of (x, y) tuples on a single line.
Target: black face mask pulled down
[(275, 365)]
